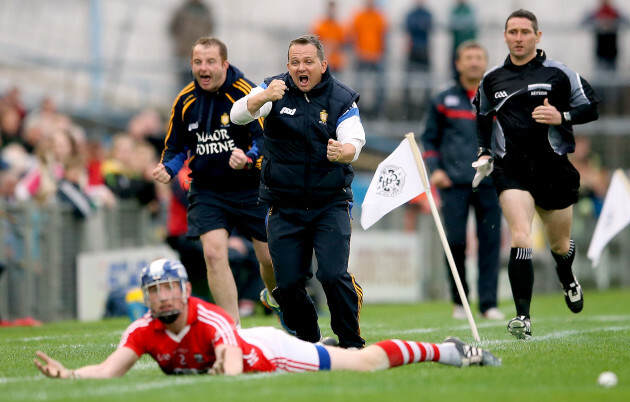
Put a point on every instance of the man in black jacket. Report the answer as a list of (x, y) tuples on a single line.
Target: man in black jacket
[(449, 145), (225, 165), (312, 134), (536, 102)]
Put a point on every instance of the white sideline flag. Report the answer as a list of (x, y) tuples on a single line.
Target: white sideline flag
[(614, 217), (396, 181)]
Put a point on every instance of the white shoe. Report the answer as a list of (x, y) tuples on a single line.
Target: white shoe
[(459, 313), (493, 313), (520, 327)]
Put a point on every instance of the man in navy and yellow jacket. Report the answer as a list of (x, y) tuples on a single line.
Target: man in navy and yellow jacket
[(225, 162)]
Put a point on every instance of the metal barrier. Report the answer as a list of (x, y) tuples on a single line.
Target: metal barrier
[(39, 246)]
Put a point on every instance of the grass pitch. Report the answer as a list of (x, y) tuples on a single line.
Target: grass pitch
[(560, 363)]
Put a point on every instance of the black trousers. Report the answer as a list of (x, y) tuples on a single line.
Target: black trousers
[(293, 234), (456, 203)]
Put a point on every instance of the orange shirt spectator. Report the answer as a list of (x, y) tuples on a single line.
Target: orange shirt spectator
[(332, 35), (368, 29)]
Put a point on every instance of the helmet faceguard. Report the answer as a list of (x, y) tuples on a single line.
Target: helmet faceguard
[(159, 272)]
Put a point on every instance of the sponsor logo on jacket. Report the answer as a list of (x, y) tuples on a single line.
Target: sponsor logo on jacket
[(500, 94)]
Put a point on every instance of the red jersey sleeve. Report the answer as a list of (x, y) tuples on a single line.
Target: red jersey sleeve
[(221, 326), (136, 336)]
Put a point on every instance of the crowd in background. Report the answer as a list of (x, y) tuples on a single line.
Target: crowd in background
[(47, 158), (43, 151)]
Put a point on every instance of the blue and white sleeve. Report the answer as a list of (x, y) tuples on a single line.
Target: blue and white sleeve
[(240, 114), (350, 130)]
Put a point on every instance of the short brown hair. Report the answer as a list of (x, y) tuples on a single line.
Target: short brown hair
[(524, 14), (308, 39), (469, 44), (211, 41)]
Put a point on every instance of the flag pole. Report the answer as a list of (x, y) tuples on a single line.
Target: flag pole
[(624, 179), (438, 223)]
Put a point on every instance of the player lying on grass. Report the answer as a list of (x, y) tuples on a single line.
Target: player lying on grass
[(187, 335)]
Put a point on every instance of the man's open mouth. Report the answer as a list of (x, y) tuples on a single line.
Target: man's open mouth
[(303, 79)]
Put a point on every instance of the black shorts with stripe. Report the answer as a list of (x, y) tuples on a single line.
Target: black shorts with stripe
[(551, 179), (209, 210)]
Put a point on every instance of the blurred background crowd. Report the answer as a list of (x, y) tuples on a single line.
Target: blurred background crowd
[(86, 86)]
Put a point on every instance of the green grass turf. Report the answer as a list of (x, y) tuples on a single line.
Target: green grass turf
[(560, 363)]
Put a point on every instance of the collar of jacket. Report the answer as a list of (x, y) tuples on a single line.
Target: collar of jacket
[(232, 75), (317, 89), (540, 57)]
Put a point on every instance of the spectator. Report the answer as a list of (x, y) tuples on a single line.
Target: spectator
[(40, 182), (419, 23), (594, 178), (368, 33), (41, 122), (71, 188), (125, 171), (462, 23), (99, 193), (95, 156), (606, 20), (13, 99), (449, 144), (143, 162), (10, 125), (333, 37), (16, 162), (191, 20), (148, 126)]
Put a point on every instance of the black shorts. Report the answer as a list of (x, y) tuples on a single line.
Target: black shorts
[(209, 210), (551, 179)]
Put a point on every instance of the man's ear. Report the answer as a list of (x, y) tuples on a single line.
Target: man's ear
[(188, 289)]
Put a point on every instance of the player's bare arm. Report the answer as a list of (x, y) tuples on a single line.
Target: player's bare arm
[(547, 114), (340, 153), (229, 360), (116, 365), (274, 91), (160, 174)]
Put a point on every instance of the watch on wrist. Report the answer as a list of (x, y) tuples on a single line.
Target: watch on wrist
[(483, 151), (566, 116)]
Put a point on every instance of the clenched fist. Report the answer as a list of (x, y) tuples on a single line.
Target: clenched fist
[(160, 174), (275, 90)]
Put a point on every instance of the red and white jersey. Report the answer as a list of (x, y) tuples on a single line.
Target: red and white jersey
[(192, 350)]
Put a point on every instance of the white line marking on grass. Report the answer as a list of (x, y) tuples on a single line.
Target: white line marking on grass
[(381, 331), (611, 318), (556, 335), (6, 380), (116, 388), (116, 333)]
